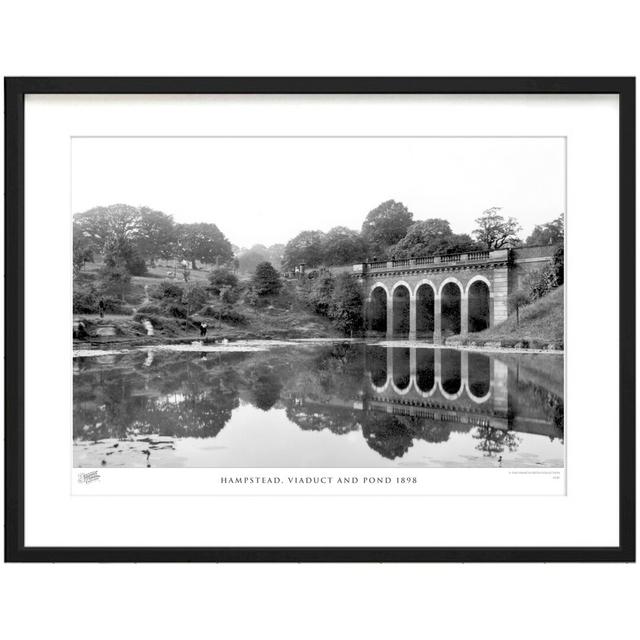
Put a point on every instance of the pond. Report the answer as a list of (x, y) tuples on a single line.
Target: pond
[(316, 404)]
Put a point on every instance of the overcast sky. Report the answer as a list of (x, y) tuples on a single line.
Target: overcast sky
[(267, 190)]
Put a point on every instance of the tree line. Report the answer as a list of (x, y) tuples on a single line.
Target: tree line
[(132, 237), (390, 232)]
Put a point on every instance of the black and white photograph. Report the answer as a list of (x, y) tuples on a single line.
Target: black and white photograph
[(318, 302)]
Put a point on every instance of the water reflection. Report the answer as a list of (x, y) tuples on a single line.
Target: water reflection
[(389, 405)]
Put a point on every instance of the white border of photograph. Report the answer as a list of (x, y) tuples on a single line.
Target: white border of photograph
[(585, 516)]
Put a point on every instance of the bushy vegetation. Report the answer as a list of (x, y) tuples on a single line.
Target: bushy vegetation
[(266, 280), (224, 313), (338, 298), (542, 281), (222, 277), (88, 302), (168, 291)]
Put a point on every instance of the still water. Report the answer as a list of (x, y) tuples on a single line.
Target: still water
[(331, 404)]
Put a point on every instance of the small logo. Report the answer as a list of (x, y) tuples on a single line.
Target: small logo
[(89, 477)]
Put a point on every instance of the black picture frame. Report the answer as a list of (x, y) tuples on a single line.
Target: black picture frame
[(15, 91)]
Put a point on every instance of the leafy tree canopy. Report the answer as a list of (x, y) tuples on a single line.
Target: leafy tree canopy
[(157, 235), (429, 237), (494, 231), (222, 277), (386, 225), (248, 259), (307, 247), (115, 222), (343, 246), (203, 241), (548, 233)]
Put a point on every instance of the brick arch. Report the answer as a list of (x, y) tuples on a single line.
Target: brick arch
[(402, 283), (423, 282), (479, 278), (382, 285), (451, 279)]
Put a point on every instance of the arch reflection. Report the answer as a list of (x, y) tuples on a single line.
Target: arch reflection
[(401, 368), (451, 373), (425, 370)]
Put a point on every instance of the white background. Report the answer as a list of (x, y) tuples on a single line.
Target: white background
[(586, 516), (332, 38)]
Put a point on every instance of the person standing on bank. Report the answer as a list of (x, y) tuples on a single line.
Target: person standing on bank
[(101, 306), (203, 329)]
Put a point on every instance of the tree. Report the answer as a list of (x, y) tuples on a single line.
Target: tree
[(117, 222), (120, 252), (429, 237), (82, 249), (157, 235), (203, 241), (495, 232), (548, 233), (194, 297), (386, 225), (275, 254), (347, 304), (266, 280), (343, 246), (517, 300), (248, 260), (307, 247), (115, 280), (222, 277)]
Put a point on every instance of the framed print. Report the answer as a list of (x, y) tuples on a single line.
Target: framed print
[(320, 319)]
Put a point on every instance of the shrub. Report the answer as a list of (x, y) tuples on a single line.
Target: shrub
[(85, 302), (175, 309), (194, 297), (346, 304), (229, 295), (168, 291), (221, 277), (117, 306), (558, 266), (150, 308), (319, 292), (538, 283), (266, 280), (251, 298), (516, 301), (224, 313)]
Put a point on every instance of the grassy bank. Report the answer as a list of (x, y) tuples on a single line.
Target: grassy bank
[(539, 324)]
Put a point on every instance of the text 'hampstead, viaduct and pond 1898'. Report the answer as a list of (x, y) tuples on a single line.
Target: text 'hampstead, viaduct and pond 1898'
[(445, 295)]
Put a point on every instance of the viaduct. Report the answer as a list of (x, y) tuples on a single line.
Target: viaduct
[(441, 295)]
